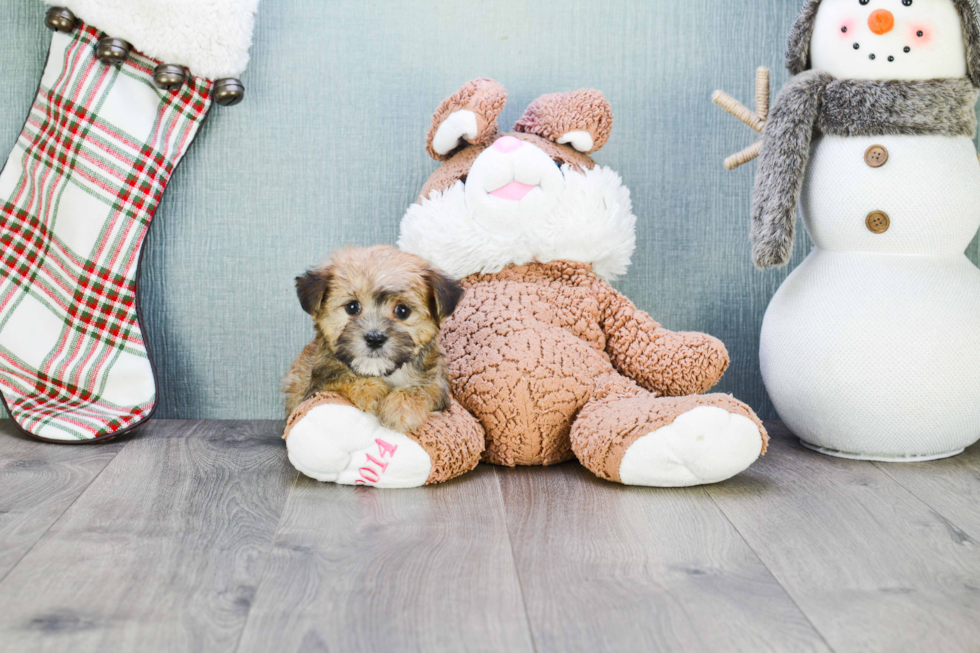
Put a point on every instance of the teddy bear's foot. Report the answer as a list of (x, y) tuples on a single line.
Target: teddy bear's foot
[(340, 444), (707, 444), (631, 436)]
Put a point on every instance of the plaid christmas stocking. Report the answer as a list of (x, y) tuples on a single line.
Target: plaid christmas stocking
[(77, 195)]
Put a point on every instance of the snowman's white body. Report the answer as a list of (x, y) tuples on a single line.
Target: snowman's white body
[(871, 348)]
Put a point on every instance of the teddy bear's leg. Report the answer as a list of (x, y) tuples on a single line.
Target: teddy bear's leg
[(454, 441), (628, 435), (331, 441)]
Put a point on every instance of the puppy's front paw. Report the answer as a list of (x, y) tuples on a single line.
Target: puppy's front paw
[(402, 412), (341, 444), (367, 394)]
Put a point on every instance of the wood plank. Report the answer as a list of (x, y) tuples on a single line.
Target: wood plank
[(162, 552), (951, 487), (38, 482), (608, 567), (873, 568), (358, 569)]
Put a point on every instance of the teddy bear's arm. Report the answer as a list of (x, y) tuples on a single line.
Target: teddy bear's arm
[(662, 361)]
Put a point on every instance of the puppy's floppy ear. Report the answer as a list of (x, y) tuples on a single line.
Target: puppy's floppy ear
[(444, 293), (468, 115), (312, 288)]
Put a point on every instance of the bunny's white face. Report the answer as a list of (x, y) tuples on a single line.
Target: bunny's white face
[(888, 39), (512, 184), (517, 206)]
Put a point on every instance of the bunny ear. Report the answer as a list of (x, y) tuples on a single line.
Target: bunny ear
[(582, 119), (470, 114)]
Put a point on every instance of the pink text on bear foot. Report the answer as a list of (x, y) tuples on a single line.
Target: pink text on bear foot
[(370, 475)]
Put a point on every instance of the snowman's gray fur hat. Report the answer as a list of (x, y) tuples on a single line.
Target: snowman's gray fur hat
[(798, 51)]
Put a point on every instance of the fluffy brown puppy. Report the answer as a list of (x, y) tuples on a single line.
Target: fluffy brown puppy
[(377, 313)]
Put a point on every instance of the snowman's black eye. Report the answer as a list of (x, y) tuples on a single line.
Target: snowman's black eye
[(864, 2), (907, 3)]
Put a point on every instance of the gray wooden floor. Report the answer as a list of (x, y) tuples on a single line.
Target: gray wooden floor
[(199, 536)]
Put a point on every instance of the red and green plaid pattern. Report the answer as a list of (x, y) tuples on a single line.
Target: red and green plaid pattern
[(76, 199)]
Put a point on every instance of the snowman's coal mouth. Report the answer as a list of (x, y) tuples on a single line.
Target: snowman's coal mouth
[(873, 56), (891, 57)]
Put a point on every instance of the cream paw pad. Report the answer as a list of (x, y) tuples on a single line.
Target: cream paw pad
[(704, 445), (335, 443)]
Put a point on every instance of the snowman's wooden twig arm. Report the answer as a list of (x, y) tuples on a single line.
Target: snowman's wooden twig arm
[(748, 154), (762, 93), (739, 110), (754, 119)]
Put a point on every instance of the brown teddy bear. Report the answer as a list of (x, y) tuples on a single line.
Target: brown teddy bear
[(548, 362)]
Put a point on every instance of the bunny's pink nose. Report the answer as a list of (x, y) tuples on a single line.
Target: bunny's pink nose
[(506, 144)]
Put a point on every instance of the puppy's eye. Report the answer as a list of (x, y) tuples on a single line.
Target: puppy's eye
[(353, 308), (402, 312)]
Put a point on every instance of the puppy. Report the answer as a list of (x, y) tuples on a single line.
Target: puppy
[(377, 313)]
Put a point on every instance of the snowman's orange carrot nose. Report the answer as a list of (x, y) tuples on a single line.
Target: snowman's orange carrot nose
[(881, 21)]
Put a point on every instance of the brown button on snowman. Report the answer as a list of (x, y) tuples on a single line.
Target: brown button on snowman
[(878, 222), (872, 139), (876, 156)]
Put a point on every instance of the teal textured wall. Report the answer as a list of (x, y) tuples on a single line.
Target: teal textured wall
[(328, 149)]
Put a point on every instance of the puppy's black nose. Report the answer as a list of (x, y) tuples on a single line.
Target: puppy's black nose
[(375, 339)]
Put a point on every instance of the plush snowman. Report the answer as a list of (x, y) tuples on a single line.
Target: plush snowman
[(871, 347)]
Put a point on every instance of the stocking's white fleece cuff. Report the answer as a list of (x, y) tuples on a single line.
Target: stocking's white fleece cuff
[(210, 37)]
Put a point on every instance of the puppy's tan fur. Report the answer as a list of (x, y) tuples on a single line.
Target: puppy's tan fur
[(405, 380)]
